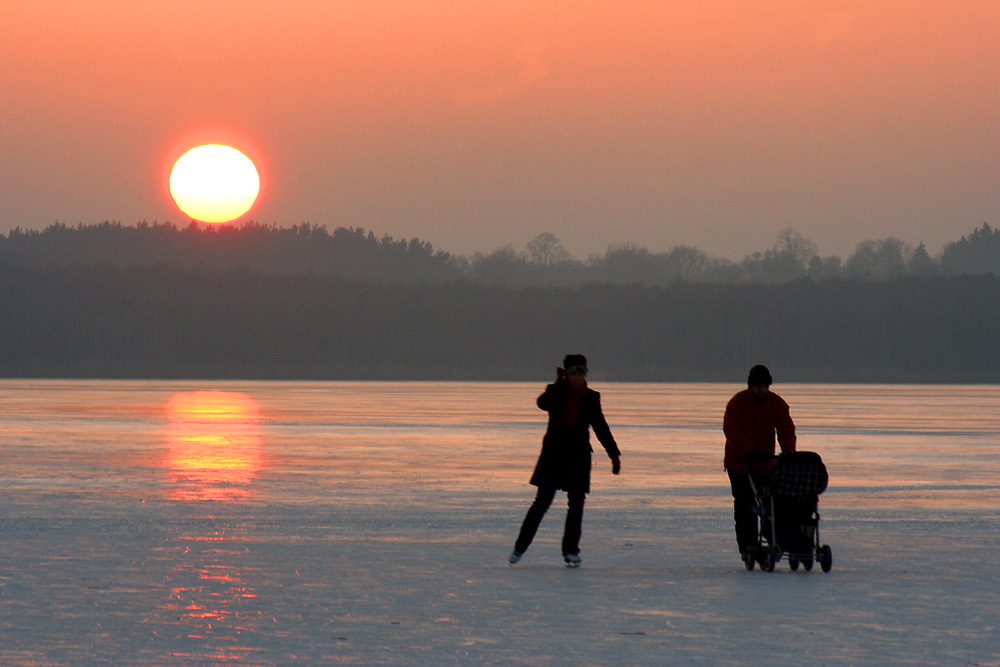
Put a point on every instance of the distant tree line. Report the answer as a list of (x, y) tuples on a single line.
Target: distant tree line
[(302, 249), (165, 321), (546, 262), (353, 253), (256, 301)]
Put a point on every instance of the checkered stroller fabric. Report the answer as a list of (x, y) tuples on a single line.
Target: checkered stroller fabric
[(799, 475)]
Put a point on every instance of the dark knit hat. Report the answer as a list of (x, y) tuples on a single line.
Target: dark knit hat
[(575, 362), (759, 375)]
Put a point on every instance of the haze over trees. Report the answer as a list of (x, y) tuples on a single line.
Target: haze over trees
[(356, 253), (264, 302)]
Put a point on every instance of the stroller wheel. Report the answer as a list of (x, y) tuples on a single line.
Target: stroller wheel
[(825, 557), (767, 560), (807, 564), (793, 563), (748, 558)]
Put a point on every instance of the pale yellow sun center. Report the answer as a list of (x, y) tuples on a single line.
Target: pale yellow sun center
[(214, 183)]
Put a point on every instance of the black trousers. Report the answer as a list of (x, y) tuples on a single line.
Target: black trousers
[(743, 504), (574, 521)]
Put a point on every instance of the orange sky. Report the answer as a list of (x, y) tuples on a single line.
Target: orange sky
[(473, 123)]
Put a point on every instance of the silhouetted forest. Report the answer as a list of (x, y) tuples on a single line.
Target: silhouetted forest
[(353, 253), (264, 302)]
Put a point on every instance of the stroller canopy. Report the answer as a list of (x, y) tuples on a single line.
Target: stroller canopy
[(799, 475)]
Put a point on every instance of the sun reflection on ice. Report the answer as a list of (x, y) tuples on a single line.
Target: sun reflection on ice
[(213, 452), (212, 603), (214, 447)]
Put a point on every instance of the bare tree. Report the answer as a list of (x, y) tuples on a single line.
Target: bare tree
[(690, 262), (882, 259), (801, 249), (546, 250)]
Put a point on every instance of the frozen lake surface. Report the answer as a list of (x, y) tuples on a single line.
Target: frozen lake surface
[(208, 523)]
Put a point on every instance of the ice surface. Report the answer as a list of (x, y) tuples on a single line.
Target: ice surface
[(370, 523)]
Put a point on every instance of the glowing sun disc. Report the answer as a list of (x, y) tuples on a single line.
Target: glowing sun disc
[(214, 183)]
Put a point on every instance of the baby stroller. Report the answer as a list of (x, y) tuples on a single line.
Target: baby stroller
[(788, 506)]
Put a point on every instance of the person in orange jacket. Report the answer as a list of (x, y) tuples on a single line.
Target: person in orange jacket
[(752, 419)]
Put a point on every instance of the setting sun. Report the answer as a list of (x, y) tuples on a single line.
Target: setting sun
[(214, 183)]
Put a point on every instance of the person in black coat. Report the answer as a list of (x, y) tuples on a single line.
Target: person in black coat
[(564, 463)]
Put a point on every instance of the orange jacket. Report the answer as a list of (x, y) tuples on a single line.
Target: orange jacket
[(750, 424)]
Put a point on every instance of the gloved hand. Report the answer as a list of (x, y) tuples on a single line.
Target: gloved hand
[(616, 465)]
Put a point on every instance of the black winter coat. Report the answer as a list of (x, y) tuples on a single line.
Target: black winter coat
[(565, 459)]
